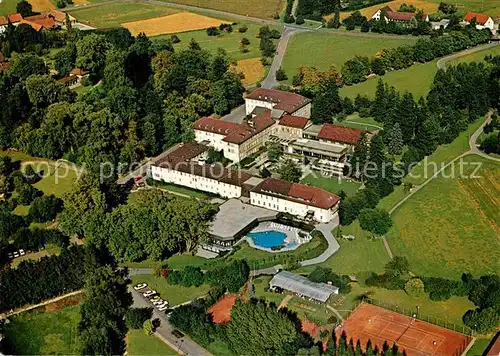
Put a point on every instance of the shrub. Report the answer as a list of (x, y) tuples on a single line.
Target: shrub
[(243, 29), (443, 289), (385, 281), (212, 31), (281, 75), (376, 221), (245, 41), (288, 18), (414, 287), (27, 193), (148, 327), (188, 277), (136, 317), (30, 175), (44, 208), (482, 321), (226, 27), (175, 39), (299, 20)]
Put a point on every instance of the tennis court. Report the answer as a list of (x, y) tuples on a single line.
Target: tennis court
[(415, 337)]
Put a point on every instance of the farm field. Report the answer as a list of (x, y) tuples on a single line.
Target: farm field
[(138, 343), (427, 6), (230, 42), (113, 15), (41, 5), (452, 225), (417, 79), (259, 8), (174, 294), (491, 7), (173, 23), (252, 69), (476, 56), (332, 185), (41, 332), (331, 49)]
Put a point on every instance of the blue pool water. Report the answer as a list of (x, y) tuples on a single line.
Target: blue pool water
[(268, 239)]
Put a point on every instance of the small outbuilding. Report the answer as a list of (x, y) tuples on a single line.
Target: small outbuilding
[(302, 286)]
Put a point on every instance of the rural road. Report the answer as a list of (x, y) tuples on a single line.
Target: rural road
[(441, 64), (184, 345)]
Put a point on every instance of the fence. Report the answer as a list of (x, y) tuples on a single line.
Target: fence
[(415, 313)]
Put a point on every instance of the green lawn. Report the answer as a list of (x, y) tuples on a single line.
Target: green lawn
[(358, 256), (479, 347), (491, 7), (174, 294), (451, 310), (476, 56), (322, 50), (258, 8), (452, 225), (57, 181), (332, 185), (8, 7), (362, 123), (44, 333), (112, 15), (230, 42), (183, 191), (417, 79), (138, 343)]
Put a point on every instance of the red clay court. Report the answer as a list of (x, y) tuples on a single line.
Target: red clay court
[(221, 311), (416, 337)]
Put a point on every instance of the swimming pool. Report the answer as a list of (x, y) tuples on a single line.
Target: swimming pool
[(268, 239)]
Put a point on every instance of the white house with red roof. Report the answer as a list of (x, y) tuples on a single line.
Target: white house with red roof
[(237, 141), (338, 134), (296, 199), (389, 15), (482, 20), (280, 102), (292, 126)]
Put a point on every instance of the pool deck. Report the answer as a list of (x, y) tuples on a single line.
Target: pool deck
[(290, 232)]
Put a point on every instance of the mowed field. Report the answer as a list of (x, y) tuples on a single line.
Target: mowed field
[(8, 7), (417, 80), (230, 42), (252, 69), (257, 8), (452, 225), (113, 15), (491, 7), (179, 22), (323, 50), (476, 56), (41, 5)]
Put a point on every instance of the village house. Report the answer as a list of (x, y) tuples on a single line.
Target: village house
[(79, 73), (237, 141), (280, 102), (60, 17), (15, 19), (389, 15), (3, 24), (482, 20)]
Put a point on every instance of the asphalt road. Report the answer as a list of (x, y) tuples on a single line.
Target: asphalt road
[(184, 345)]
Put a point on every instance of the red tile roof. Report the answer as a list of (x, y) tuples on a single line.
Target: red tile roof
[(5, 66), (288, 102), (79, 71), (339, 133), (59, 16), (250, 128), (400, 16), (184, 152), (34, 25), (298, 193), (481, 19), (3, 21), (14, 18), (294, 121), (220, 127)]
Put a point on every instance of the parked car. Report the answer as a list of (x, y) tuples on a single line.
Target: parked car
[(177, 334), (22, 253), (140, 286), (149, 293)]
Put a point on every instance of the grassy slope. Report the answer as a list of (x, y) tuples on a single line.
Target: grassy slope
[(452, 225), (138, 343), (112, 15), (230, 42), (417, 79), (36, 333), (174, 294), (258, 8), (491, 7), (476, 56), (333, 185), (322, 50)]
